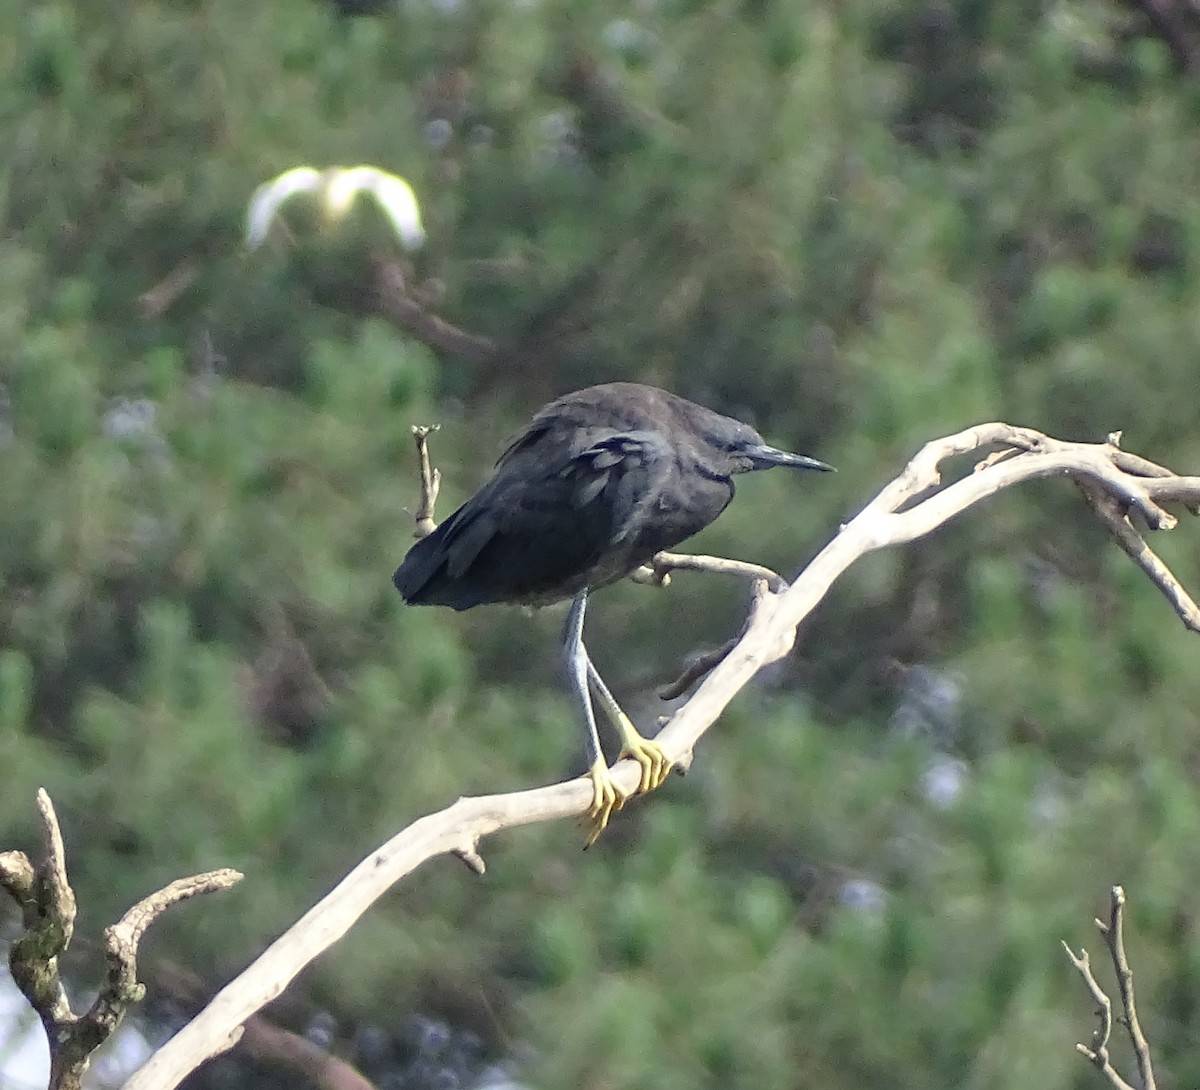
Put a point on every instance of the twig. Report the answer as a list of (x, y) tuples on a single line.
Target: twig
[(271, 1044), (909, 507), (413, 317), (1114, 936), (471, 859), (658, 571), (263, 1039), (48, 910), (700, 664), (431, 481), (1097, 1054), (1117, 522), (154, 302), (48, 913)]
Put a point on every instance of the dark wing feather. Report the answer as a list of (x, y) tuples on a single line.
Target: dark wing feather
[(551, 520)]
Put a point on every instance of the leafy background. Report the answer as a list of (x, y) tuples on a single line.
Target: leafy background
[(859, 224)]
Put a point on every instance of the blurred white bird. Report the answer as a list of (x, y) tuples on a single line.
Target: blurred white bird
[(337, 187)]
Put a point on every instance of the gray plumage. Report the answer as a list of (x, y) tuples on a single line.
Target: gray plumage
[(600, 481)]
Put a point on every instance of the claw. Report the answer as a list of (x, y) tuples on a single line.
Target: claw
[(654, 762), (607, 798)]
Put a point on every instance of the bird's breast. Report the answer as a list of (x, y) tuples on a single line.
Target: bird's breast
[(679, 512)]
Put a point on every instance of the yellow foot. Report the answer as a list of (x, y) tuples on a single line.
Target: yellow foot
[(606, 797), (656, 765)]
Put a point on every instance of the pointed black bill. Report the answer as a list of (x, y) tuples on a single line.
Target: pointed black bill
[(764, 457)]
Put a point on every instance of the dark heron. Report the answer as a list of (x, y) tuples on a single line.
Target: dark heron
[(600, 481)]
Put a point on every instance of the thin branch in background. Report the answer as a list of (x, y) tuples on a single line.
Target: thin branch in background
[(1114, 937), (696, 667), (1176, 24), (156, 301), (263, 1040), (1097, 1052), (48, 915), (413, 315)]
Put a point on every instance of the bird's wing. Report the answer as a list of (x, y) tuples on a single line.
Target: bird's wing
[(391, 192), (580, 502), (343, 184), (525, 440), (539, 527), (266, 199), (399, 202), (625, 467)]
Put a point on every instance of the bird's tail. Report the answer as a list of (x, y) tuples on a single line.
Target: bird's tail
[(436, 573), (418, 570)]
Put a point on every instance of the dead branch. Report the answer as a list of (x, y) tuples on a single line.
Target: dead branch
[(412, 315), (48, 915), (1097, 1053), (912, 505), (658, 572), (696, 667), (263, 1040), (156, 301), (271, 1044), (431, 481)]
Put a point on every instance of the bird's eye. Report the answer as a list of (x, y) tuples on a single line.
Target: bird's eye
[(745, 439)]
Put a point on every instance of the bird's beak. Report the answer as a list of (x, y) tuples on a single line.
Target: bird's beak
[(764, 457)]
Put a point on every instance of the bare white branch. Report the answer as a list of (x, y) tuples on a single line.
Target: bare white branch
[(1097, 1054), (911, 506)]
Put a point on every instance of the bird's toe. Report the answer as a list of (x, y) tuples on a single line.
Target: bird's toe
[(607, 798), (653, 760)]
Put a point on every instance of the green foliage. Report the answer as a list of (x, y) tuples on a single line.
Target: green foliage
[(863, 225)]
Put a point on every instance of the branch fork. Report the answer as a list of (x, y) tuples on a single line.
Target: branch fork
[(48, 910), (1097, 1053)]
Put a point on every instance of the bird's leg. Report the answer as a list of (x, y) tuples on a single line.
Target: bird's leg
[(655, 763), (607, 796)]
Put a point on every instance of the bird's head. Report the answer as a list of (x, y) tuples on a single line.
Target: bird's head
[(738, 448)]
